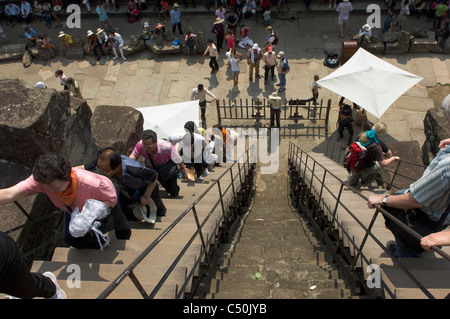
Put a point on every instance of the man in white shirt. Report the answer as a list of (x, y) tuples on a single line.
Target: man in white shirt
[(213, 55), (199, 94), (117, 45)]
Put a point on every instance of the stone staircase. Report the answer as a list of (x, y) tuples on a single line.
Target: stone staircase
[(274, 254), (431, 270), (84, 273)]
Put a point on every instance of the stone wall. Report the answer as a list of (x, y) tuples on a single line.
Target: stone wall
[(402, 42)]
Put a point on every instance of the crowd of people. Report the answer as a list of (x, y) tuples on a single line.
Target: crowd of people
[(117, 182)]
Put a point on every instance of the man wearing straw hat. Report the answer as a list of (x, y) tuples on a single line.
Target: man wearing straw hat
[(275, 105), (366, 30), (66, 41), (175, 15), (254, 56), (219, 31), (94, 44)]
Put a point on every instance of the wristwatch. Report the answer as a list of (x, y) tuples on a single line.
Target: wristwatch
[(384, 201)]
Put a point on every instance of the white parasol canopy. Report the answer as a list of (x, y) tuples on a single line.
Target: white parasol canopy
[(168, 119), (369, 82)]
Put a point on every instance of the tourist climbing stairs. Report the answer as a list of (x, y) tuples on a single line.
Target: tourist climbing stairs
[(138, 267)]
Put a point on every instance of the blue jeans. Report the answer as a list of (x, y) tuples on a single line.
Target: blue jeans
[(282, 78)]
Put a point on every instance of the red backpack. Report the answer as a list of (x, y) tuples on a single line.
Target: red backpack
[(356, 157)]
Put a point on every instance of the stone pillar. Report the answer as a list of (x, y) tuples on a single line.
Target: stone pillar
[(117, 126)]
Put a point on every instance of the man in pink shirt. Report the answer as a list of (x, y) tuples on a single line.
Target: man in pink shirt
[(69, 188), (161, 156)]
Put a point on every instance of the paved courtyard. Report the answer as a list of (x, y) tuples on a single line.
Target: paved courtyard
[(148, 80)]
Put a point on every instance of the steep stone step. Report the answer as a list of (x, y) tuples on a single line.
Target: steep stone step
[(96, 277)]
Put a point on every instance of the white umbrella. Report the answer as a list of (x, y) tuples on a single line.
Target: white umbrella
[(369, 82), (169, 119)]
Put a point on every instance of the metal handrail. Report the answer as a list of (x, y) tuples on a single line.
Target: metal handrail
[(294, 154), (30, 221), (129, 270)]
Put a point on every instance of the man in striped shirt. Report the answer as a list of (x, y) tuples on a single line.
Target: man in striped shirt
[(429, 195)]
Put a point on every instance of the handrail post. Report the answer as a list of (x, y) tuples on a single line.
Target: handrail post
[(393, 176), (199, 227)]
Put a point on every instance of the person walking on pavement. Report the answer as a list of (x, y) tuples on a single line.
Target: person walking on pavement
[(344, 9), (282, 69), (254, 56), (213, 56), (199, 94)]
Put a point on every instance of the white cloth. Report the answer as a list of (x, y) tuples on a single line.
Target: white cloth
[(86, 220)]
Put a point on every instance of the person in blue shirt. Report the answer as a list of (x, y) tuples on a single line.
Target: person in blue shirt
[(175, 15), (103, 17), (282, 68), (25, 11), (31, 35), (12, 11)]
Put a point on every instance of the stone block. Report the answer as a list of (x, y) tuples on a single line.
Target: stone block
[(425, 45), (117, 126), (46, 119), (396, 47), (447, 46), (12, 52), (374, 47)]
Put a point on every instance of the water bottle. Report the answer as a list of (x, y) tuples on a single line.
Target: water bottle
[(180, 175)]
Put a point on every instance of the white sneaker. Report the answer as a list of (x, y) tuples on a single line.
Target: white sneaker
[(115, 57), (205, 172), (60, 294), (124, 58), (200, 179)]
